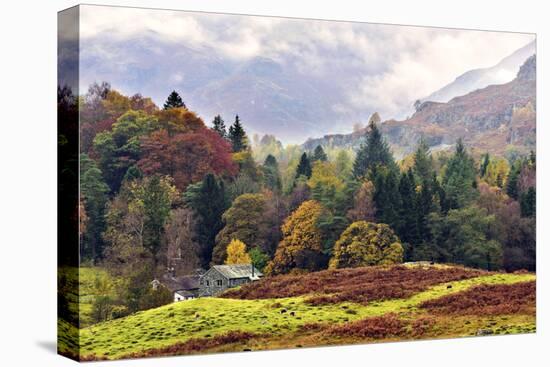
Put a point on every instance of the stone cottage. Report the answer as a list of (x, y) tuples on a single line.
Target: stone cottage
[(221, 277), (183, 287)]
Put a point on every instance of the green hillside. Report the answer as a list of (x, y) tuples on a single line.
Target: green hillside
[(223, 324)]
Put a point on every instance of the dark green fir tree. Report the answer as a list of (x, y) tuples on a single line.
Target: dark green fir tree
[(173, 101), (319, 154), (218, 125), (304, 167), (237, 136)]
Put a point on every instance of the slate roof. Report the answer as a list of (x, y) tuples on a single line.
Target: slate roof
[(238, 271), (185, 282)]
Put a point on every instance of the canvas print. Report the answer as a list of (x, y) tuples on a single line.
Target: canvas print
[(234, 183)]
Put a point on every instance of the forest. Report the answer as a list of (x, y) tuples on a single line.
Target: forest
[(161, 190)]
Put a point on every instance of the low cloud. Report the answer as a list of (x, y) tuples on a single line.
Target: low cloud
[(374, 66)]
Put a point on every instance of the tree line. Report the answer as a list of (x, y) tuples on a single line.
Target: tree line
[(161, 190)]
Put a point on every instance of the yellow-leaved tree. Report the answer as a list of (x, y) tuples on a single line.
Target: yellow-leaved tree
[(236, 253), (301, 244), (365, 243)]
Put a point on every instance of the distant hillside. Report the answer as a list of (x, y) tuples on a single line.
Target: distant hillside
[(491, 119), (500, 73)]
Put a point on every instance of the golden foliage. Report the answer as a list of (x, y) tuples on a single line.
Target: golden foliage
[(301, 235), (236, 253), (365, 243)]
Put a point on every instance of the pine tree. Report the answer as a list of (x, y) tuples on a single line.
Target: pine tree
[(207, 199), (407, 227), (459, 180), (485, 160), (528, 203), (218, 126), (319, 154), (173, 101), (512, 186), (304, 167), (373, 152), (386, 196), (423, 161), (237, 136)]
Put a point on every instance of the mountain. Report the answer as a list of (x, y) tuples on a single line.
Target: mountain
[(493, 119), (271, 98), (500, 73)]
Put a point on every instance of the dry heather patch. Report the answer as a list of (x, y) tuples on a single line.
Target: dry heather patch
[(487, 299), (359, 285), (196, 345)]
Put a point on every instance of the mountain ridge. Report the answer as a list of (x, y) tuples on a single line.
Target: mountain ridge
[(495, 119)]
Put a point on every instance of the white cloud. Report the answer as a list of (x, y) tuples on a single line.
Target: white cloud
[(378, 65)]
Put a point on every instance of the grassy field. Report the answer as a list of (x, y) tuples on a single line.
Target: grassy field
[(229, 324)]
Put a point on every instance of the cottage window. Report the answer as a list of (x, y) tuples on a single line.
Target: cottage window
[(219, 282), (208, 283)]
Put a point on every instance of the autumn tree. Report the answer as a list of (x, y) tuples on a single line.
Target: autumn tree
[(301, 247), (364, 244), (364, 208), (178, 120), (173, 101), (244, 221), (126, 255), (236, 253), (496, 172), (187, 157), (325, 186), (237, 136), (299, 193), (517, 234)]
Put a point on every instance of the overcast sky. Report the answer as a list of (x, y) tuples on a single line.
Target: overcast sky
[(390, 64)]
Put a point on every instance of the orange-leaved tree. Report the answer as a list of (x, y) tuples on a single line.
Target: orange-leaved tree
[(301, 244)]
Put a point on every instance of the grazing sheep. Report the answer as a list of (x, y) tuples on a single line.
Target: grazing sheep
[(292, 313), (197, 315), (283, 310)]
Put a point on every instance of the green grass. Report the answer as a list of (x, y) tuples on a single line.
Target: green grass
[(207, 317), (82, 287)]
